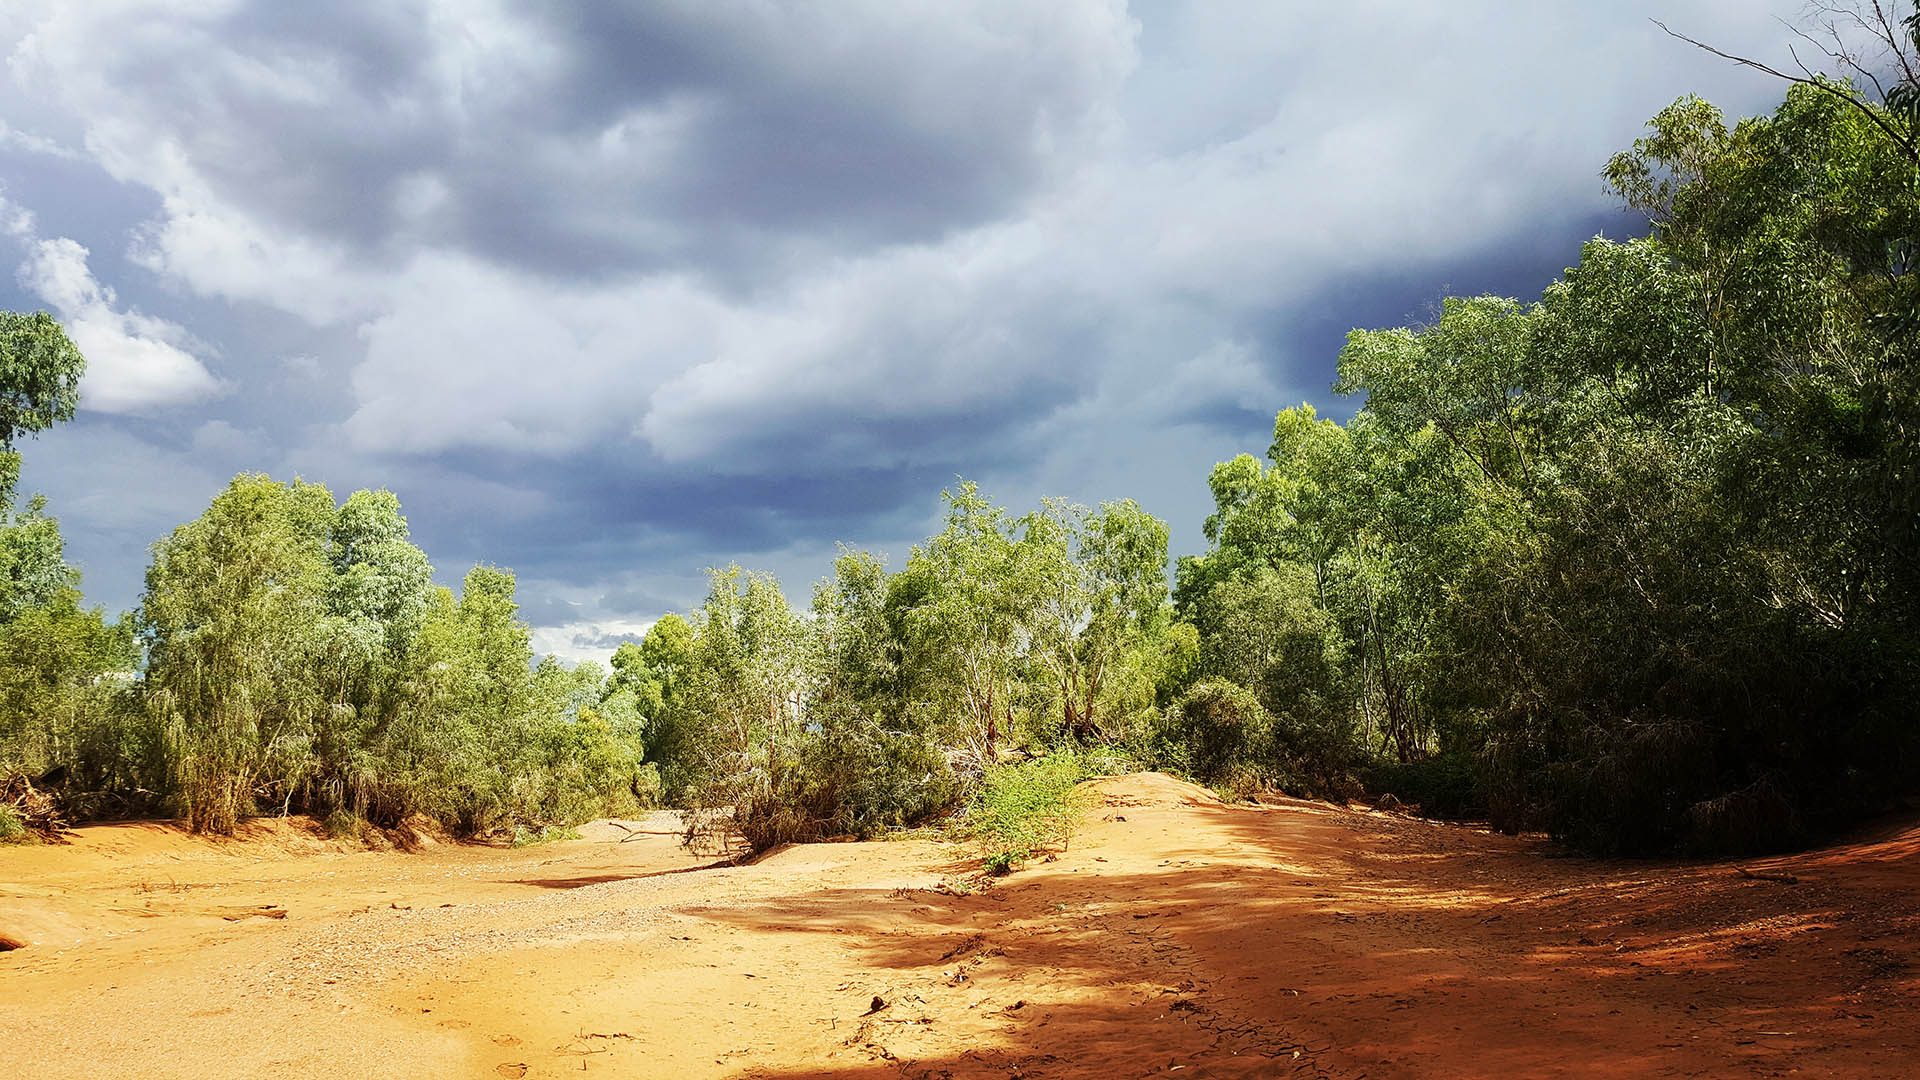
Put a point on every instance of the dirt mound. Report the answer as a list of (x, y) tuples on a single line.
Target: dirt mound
[(39, 922), (1150, 789), (418, 832)]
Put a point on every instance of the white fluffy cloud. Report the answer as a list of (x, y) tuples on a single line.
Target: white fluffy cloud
[(587, 640), (135, 363)]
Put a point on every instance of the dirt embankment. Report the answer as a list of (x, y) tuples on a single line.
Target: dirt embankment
[(1177, 936)]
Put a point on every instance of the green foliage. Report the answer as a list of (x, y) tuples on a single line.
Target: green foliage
[(33, 566), (1097, 585), (1023, 809), (40, 373), (1215, 729), (1636, 563), (482, 742), (647, 681), (901, 692), (1444, 786), (233, 600), (299, 657), (744, 692), (12, 829), (544, 834), (61, 694)]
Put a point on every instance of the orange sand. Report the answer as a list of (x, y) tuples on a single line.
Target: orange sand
[(1176, 937)]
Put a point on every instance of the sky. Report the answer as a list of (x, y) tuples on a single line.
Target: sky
[(610, 293)]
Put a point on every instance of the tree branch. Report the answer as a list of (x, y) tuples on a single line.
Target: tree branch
[(1906, 143)]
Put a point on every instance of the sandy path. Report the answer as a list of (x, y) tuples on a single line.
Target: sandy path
[(1177, 937)]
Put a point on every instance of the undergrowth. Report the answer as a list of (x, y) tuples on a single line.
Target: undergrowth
[(1022, 809), (545, 834)]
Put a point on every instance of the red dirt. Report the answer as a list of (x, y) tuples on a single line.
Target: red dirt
[(1177, 936)]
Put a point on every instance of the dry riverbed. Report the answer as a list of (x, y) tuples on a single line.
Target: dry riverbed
[(1176, 937)]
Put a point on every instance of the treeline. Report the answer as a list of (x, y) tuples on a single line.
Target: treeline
[(1638, 563), (297, 657), (890, 698)]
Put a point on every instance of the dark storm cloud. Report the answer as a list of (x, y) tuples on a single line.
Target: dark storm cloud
[(1303, 340), (597, 519), (612, 292), (578, 139)]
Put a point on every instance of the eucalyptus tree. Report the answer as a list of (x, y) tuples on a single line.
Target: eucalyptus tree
[(460, 747), (1098, 585), (229, 619), (61, 714), (656, 674), (876, 747), (380, 590), (745, 688), (970, 589), (1645, 549), (33, 565), (40, 370), (58, 697)]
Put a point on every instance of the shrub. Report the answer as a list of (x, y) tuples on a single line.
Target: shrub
[(1214, 729), (343, 825), (1021, 809), (544, 834), (1448, 786), (849, 776)]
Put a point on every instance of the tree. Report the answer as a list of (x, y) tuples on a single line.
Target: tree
[(1099, 584), (968, 599), (40, 373), (1643, 553), (654, 673), (55, 658), (745, 691), (459, 745), (33, 566), (1866, 40), (232, 602)]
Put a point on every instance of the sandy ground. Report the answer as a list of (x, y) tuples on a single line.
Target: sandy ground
[(1176, 937)]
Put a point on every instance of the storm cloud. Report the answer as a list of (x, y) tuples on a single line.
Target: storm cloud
[(612, 292)]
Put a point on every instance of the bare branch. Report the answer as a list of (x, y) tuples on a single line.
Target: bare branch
[(1838, 54), (1890, 33), (1905, 142)]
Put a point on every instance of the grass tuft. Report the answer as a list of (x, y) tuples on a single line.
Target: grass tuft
[(545, 834)]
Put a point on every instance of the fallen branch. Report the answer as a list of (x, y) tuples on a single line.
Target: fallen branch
[(635, 834), (35, 809), (264, 911)]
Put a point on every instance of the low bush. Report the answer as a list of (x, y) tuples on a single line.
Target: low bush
[(1215, 729), (1022, 809), (544, 834), (1448, 786), (12, 829)]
